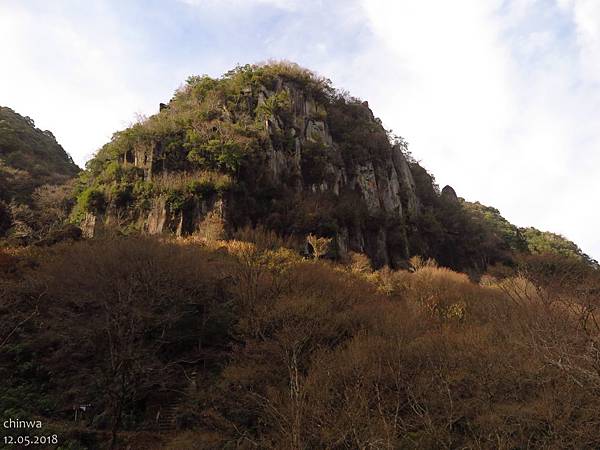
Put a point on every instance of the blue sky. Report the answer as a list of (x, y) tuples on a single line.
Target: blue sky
[(499, 98)]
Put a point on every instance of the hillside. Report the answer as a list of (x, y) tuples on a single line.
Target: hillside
[(34, 172), (276, 145), (29, 157), (528, 240), (183, 343)]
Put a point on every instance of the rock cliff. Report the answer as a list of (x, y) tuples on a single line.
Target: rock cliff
[(301, 158)]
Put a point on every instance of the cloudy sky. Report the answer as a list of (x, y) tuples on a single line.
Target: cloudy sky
[(498, 98)]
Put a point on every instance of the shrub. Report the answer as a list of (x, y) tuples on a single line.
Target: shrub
[(278, 104), (280, 351), (176, 201), (91, 200), (145, 291), (121, 195), (320, 246), (201, 187), (216, 154), (314, 162)]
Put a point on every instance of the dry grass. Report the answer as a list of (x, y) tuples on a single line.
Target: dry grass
[(170, 182), (319, 355)]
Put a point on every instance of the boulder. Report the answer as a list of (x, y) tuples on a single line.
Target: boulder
[(448, 193)]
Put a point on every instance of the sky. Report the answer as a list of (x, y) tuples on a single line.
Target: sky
[(498, 98)]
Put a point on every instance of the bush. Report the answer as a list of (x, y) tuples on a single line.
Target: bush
[(91, 200), (201, 187), (215, 154), (314, 163), (122, 195), (280, 351)]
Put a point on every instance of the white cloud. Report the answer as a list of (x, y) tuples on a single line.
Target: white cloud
[(493, 101), (72, 75), (283, 4), (445, 84), (586, 17)]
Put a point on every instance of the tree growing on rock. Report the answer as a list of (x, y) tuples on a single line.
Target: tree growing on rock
[(320, 245)]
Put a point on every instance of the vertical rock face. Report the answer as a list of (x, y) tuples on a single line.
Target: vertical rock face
[(408, 189), (158, 217), (384, 182), (184, 221)]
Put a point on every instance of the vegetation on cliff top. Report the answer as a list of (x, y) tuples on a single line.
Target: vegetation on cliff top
[(528, 240), (210, 126), (214, 123)]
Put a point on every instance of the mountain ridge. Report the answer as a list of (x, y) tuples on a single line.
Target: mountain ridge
[(29, 157), (34, 172)]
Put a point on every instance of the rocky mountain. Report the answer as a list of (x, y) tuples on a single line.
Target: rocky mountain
[(275, 145)]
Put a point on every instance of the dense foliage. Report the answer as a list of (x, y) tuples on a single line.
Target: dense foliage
[(211, 124), (248, 345), (470, 236), (541, 242)]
